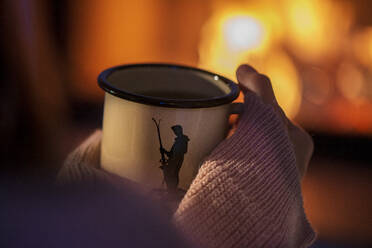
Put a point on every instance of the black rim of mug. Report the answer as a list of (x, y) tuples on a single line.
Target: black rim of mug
[(163, 102)]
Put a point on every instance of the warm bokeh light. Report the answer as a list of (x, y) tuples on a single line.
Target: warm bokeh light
[(233, 37), (285, 81), (362, 46), (316, 28), (234, 34), (299, 44), (318, 58), (243, 33), (317, 86), (350, 81)]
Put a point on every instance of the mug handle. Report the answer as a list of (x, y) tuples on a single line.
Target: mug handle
[(236, 108)]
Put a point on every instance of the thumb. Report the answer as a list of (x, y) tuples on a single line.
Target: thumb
[(250, 80)]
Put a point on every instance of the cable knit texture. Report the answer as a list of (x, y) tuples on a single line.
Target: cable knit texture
[(247, 192)]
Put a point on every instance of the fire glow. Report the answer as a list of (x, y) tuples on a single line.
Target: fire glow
[(317, 56), (289, 40), (243, 33)]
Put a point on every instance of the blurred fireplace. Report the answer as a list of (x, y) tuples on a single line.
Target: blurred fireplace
[(318, 53)]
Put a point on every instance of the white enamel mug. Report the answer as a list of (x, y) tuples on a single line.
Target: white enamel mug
[(161, 120)]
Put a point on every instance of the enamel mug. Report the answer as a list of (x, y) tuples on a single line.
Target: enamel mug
[(161, 120)]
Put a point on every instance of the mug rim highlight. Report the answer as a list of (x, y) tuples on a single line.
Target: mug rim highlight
[(162, 102)]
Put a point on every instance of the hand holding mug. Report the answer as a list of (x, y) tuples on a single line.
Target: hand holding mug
[(250, 80), (171, 151)]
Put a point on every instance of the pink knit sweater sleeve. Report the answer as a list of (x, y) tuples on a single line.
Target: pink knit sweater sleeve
[(247, 192)]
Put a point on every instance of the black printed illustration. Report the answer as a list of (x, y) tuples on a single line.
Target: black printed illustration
[(171, 165)]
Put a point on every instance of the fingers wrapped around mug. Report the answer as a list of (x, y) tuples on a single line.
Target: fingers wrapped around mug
[(252, 81)]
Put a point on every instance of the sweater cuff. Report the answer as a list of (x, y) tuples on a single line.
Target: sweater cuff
[(248, 192)]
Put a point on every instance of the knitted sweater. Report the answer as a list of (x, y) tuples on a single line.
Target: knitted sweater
[(247, 192)]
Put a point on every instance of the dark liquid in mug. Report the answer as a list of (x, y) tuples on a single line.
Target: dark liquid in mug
[(168, 84), (179, 95)]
